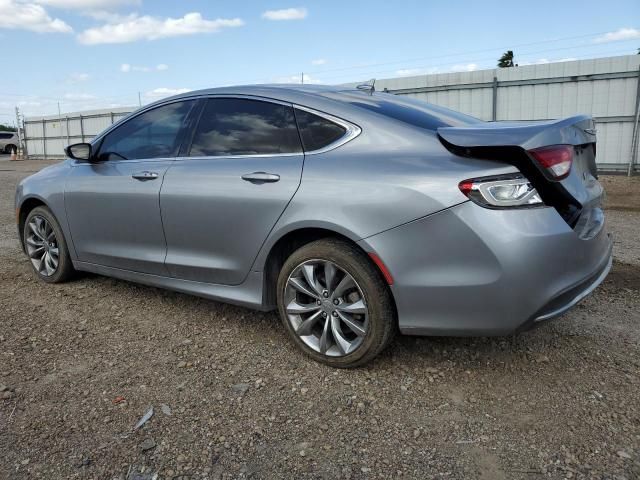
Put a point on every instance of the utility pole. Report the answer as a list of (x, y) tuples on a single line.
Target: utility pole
[(139, 100), (302, 78), (19, 133), (60, 120)]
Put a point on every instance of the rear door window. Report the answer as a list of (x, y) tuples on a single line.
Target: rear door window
[(317, 132), (235, 126), (152, 134)]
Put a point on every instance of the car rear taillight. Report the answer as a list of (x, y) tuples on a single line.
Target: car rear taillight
[(555, 160), (503, 191)]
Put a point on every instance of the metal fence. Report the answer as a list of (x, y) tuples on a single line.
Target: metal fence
[(607, 88), (46, 137)]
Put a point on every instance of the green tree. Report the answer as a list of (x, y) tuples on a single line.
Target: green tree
[(506, 60), (6, 128)]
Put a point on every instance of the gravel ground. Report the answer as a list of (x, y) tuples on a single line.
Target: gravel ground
[(81, 363)]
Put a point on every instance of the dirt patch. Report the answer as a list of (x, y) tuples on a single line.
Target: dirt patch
[(625, 276), (80, 363), (623, 193)]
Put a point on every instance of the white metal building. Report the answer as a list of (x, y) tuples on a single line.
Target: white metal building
[(607, 88), (47, 136)]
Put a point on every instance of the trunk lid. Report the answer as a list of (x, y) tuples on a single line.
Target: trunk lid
[(577, 197)]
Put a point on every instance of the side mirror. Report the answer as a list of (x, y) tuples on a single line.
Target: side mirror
[(79, 151)]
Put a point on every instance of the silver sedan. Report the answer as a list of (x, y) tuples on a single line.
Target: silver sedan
[(355, 213)]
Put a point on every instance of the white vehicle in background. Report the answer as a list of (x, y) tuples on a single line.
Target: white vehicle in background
[(8, 142)]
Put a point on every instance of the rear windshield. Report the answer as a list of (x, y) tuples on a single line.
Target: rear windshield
[(410, 110)]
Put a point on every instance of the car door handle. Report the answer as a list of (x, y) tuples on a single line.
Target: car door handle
[(146, 175), (261, 177)]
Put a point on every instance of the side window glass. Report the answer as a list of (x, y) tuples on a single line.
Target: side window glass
[(317, 132), (232, 126), (152, 134)]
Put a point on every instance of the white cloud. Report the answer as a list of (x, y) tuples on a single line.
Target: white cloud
[(544, 61), (165, 92), (78, 96), (79, 77), (465, 67), (29, 16), (297, 78), (109, 17), (127, 67), (29, 103), (407, 72), (618, 35), (318, 61), (87, 4), (136, 28), (286, 14)]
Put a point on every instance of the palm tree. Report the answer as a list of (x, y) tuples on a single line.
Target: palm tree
[(506, 60)]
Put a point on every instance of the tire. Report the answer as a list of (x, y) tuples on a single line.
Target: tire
[(35, 248), (9, 149), (310, 329)]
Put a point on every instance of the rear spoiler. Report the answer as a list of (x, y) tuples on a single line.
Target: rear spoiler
[(576, 130)]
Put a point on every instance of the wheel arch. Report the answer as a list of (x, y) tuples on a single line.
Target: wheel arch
[(23, 210), (281, 248)]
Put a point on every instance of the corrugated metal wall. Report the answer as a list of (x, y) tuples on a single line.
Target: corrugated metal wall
[(47, 136), (606, 88)]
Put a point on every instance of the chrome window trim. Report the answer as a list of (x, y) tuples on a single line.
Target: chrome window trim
[(249, 155), (80, 163), (352, 130)]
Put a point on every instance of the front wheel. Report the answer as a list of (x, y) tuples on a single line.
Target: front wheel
[(334, 304), (46, 247)]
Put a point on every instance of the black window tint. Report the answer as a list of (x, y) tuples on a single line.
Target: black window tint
[(231, 126), (317, 132), (4, 136), (153, 134)]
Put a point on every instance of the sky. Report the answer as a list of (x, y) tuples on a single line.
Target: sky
[(85, 54)]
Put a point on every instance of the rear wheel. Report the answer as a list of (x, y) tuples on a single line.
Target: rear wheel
[(10, 148), (334, 304), (46, 247)]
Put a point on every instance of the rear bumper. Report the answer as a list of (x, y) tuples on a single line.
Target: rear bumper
[(471, 271), (571, 296)]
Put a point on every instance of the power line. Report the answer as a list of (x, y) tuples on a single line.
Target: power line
[(420, 70), (432, 66), (396, 62), (371, 65)]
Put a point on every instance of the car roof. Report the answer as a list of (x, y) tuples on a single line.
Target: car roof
[(284, 92)]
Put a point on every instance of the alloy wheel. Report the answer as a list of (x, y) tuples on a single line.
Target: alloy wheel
[(42, 246), (326, 308)]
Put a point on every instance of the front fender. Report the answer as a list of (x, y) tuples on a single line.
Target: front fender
[(46, 188)]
